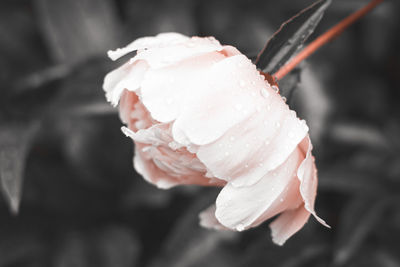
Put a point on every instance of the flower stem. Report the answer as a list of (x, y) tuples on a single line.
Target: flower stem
[(323, 39)]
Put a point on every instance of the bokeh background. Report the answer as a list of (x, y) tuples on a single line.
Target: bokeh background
[(62, 153)]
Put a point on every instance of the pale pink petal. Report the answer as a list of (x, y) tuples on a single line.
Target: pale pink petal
[(151, 172), (208, 219), (169, 55), (230, 51), (223, 100), (133, 113), (155, 135), (307, 174), (165, 92), (253, 136), (128, 76), (240, 208), (288, 223), (160, 166), (160, 40), (127, 102)]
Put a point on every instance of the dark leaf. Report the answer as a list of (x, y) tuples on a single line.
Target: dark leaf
[(290, 37), (15, 140), (289, 83)]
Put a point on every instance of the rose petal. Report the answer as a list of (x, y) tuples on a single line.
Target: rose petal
[(244, 207), (165, 92), (249, 145), (160, 40), (287, 224), (151, 172), (307, 174), (223, 101), (128, 76), (168, 170), (165, 56), (208, 219)]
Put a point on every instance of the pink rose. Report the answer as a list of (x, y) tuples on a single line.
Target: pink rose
[(201, 113)]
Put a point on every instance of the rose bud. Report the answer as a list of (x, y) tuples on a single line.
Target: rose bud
[(200, 113)]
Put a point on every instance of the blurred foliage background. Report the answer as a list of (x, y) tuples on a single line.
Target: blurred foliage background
[(67, 166)]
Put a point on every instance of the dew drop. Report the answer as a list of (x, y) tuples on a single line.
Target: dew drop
[(240, 227), (264, 92), (275, 88), (284, 99)]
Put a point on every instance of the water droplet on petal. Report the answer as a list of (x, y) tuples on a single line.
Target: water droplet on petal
[(275, 88), (240, 227), (264, 92)]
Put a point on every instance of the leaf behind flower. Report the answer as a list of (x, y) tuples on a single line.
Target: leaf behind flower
[(292, 34)]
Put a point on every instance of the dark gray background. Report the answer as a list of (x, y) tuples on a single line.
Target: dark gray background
[(82, 202)]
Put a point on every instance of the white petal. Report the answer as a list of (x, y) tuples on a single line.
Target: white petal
[(287, 224), (244, 207), (161, 40)]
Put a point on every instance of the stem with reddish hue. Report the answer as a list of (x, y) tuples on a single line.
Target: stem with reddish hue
[(323, 39)]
